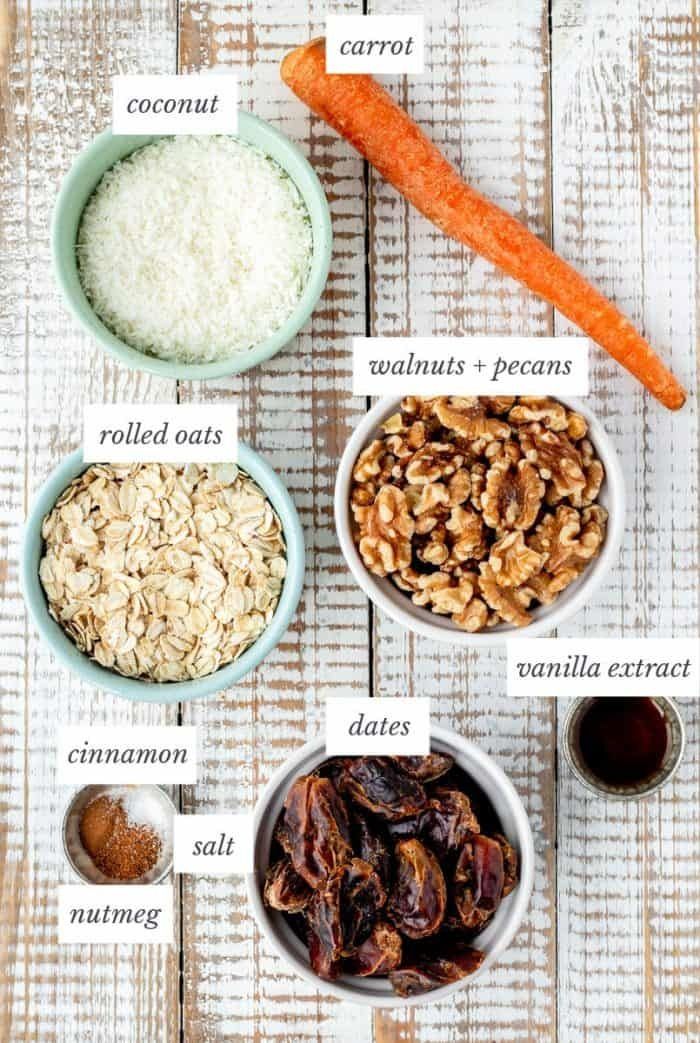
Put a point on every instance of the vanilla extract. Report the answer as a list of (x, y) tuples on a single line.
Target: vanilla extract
[(584, 666), (623, 741)]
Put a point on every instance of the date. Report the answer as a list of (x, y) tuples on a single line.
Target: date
[(418, 900), (376, 783), (316, 829)]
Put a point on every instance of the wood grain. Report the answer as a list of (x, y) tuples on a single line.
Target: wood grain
[(484, 99), (296, 410), (55, 63), (624, 98)]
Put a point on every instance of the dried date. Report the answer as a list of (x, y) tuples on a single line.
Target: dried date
[(376, 783), (433, 971), (361, 898), (445, 824), (372, 844), (325, 929), (478, 881), (418, 898), (341, 915), (285, 889), (378, 955), (510, 864), (316, 829), (425, 769)]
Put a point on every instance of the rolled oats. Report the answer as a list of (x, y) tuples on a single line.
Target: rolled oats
[(480, 508), (163, 572)]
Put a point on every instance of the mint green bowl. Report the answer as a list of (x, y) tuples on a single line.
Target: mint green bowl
[(149, 691), (80, 183)]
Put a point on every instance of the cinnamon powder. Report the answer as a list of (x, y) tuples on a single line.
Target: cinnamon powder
[(120, 849)]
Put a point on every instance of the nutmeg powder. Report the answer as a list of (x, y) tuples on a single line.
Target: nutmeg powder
[(120, 849)]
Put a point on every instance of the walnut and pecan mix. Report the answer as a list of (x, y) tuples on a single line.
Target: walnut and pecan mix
[(160, 571), (480, 509)]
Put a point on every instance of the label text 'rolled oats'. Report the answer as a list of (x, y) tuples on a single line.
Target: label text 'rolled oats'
[(377, 726), (149, 433), (470, 366), (123, 754)]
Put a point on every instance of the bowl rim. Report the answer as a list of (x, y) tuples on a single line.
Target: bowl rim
[(309, 186), (136, 689), (418, 620), (517, 902)]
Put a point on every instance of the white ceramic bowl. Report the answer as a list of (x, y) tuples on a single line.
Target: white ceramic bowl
[(398, 605), (377, 992)]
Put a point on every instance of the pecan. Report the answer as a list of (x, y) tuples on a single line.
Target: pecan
[(513, 495)]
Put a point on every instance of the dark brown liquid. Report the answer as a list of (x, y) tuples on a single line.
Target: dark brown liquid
[(623, 741)]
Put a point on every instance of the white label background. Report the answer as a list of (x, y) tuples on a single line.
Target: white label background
[(150, 897), (342, 711), (190, 418), (191, 828), (605, 651), (473, 352), (153, 737), (202, 86), (340, 28)]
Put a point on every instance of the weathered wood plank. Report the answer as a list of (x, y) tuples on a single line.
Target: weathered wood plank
[(55, 63), (295, 409), (624, 92), (484, 100)]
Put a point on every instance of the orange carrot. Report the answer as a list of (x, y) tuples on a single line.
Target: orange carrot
[(368, 117)]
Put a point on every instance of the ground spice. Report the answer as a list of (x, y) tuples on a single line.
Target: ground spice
[(120, 848)]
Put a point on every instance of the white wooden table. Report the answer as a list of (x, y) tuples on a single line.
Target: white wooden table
[(581, 119)]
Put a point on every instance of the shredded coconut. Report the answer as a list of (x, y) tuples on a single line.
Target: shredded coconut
[(194, 248)]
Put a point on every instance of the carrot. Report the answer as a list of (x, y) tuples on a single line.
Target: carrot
[(368, 117)]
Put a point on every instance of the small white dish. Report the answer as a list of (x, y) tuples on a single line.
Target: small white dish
[(398, 605), (377, 992)]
